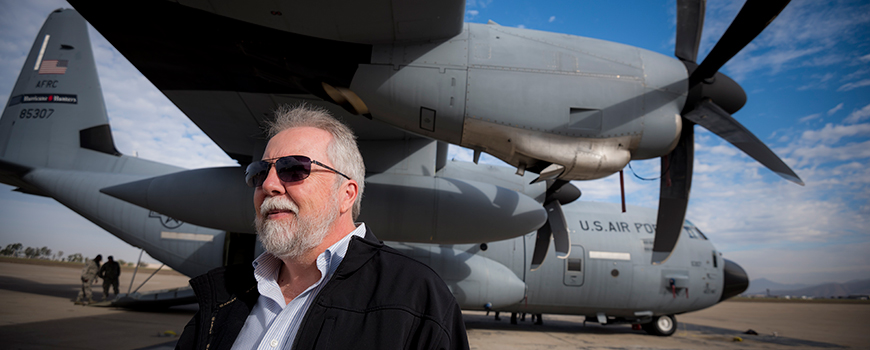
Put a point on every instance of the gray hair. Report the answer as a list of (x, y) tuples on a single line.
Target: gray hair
[(342, 151)]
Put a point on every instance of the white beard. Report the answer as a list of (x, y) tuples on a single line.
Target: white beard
[(293, 239)]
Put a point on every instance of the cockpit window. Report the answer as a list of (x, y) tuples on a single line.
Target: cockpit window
[(690, 231), (698, 231)]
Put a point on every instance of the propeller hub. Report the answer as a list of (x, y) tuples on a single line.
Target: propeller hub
[(720, 88)]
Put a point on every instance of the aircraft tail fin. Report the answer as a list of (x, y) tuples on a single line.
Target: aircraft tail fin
[(56, 110)]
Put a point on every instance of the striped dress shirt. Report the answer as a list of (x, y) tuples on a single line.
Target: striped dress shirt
[(272, 324)]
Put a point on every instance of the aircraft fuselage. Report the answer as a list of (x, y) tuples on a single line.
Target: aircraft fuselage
[(607, 270)]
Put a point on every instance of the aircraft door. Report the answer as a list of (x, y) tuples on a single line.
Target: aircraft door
[(575, 264)]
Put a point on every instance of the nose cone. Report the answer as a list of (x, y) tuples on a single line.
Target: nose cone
[(736, 280), (726, 93), (723, 90)]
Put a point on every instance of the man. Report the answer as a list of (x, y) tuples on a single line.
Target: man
[(109, 272), (322, 281), (89, 276)]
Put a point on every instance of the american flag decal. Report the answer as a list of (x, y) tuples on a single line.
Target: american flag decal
[(53, 67)]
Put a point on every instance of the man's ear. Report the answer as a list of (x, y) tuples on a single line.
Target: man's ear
[(348, 193)]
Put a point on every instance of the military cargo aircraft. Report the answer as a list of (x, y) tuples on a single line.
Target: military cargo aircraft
[(485, 229), (561, 106)]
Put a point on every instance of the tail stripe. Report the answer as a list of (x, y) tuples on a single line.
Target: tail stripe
[(41, 52)]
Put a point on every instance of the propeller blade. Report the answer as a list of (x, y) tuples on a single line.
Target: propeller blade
[(690, 23), (559, 229), (542, 245), (709, 115), (676, 181), (750, 21), (558, 192)]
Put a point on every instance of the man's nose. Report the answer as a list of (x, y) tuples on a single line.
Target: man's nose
[(273, 185)]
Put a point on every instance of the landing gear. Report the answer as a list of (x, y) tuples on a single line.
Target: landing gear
[(664, 325), (513, 318)]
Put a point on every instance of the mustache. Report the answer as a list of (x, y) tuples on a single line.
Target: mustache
[(278, 203)]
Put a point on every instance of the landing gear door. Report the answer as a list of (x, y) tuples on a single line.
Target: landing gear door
[(575, 264)]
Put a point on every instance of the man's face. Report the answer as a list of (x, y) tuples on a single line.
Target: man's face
[(293, 218)]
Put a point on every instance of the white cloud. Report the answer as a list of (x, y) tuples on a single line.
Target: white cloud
[(825, 77), (855, 75), (810, 117), (472, 13), (855, 85), (521, 26), (858, 115), (825, 153), (835, 109), (865, 58), (552, 18), (805, 34), (144, 122), (833, 133), (477, 3), (744, 63)]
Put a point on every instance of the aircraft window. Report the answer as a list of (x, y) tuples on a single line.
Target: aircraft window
[(690, 231), (715, 261), (697, 230), (575, 265)]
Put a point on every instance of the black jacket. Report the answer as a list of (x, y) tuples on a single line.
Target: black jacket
[(376, 299), (111, 270)]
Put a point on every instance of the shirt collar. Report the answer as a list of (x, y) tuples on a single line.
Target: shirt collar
[(266, 265)]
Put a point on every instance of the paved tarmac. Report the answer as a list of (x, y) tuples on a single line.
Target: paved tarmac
[(36, 312)]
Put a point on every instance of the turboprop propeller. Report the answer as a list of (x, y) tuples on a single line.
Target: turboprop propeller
[(712, 98), (559, 192)]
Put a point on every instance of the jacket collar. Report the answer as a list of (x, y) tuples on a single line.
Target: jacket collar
[(358, 253)]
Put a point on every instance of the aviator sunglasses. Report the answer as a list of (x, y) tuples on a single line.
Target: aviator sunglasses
[(289, 169)]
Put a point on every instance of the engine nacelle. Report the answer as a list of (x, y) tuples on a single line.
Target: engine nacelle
[(531, 98)]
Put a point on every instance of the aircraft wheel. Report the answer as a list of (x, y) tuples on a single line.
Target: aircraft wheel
[(663, 326)]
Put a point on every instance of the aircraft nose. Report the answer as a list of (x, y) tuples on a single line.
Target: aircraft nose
[(736, 280)]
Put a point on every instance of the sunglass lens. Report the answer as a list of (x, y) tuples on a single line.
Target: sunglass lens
[(256, 173), (293, 168)]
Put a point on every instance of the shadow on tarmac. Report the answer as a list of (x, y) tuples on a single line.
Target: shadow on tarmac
[(54, 290), (482, 322), (138, 329)]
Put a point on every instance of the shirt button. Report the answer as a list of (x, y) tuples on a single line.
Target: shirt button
[(274, 343)]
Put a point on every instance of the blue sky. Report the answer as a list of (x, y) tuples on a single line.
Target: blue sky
[(807, 78)]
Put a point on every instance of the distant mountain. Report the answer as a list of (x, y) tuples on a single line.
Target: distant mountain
[(761, 285), (826, 290)]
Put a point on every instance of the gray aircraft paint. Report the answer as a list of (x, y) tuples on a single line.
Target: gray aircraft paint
[(604, 240), (63, 156), (468, 84), (562, 106)]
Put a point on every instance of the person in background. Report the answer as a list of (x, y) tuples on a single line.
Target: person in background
[(109, 272), (89, 276)]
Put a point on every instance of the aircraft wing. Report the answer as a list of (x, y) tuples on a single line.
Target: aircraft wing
[(227, 65)]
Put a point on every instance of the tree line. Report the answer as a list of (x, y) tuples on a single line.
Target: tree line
[(19, 251)]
